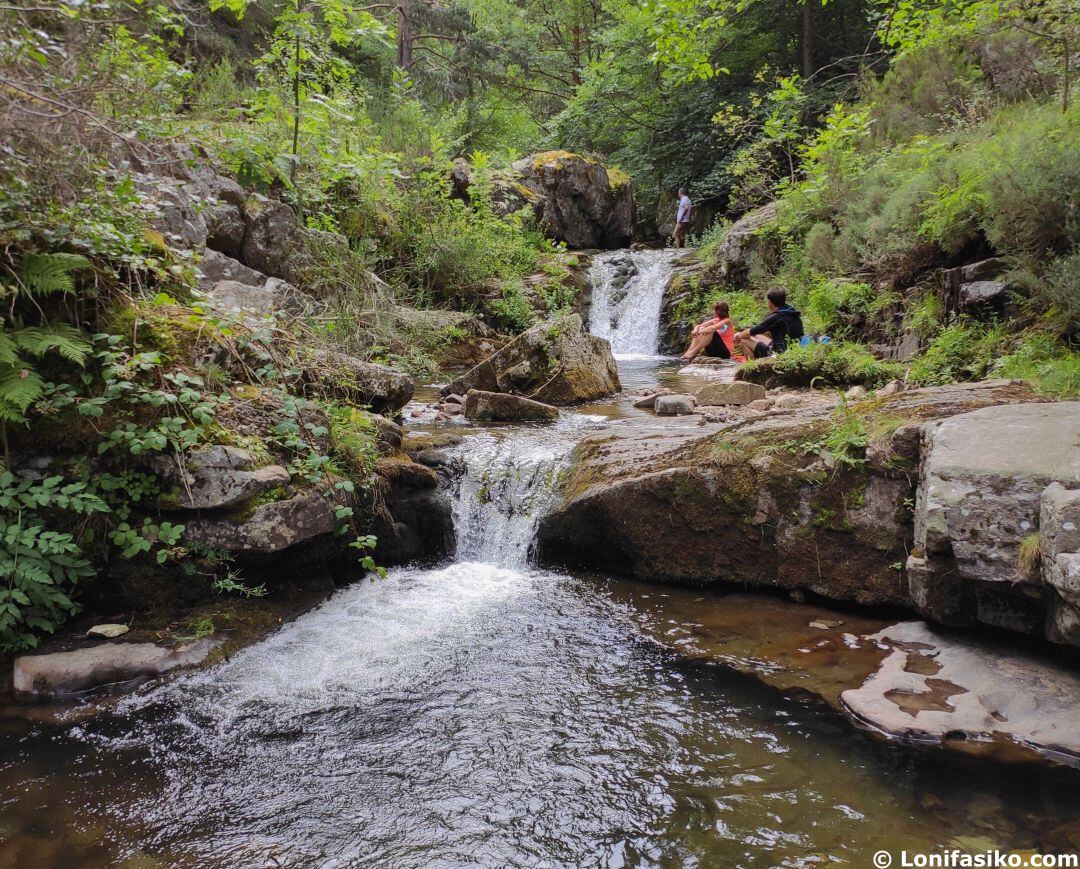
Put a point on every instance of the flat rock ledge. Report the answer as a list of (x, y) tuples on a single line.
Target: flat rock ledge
[(939, 689), (65, 673)]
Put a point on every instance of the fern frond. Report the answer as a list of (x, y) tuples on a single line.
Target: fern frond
[(19, 388), (9, 348), (44, 273), (66, 341)]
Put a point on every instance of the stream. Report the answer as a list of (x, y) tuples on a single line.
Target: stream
[(488, 713)]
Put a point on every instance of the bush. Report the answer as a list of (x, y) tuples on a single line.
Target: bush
[(961, 351), (1049, 366), (835, 364), (511, 312)]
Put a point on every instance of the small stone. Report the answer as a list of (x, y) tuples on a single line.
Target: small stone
[(825, 624), (855, 393), (890, 388), (799, 596), (760, 405), (416, 414), (454, 398), (649, 401), (107, 631), (787, 401), (674, 405)]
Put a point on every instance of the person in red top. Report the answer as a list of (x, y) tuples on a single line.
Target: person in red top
[(715, 336)]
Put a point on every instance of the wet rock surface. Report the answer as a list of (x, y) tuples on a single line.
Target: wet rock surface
[(62, 673)]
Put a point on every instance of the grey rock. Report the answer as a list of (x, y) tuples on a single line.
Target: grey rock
[(271, 528), (63, 673), (557, 362), (979, 496), (501, 407), (730, 393), (108, 631), (648, 402), (1059, 548), (381, 388), (225, 228), (674, 405), (215, 266), (216, 477), (742, 240), (272, 237), (855, 393), (979, 293)]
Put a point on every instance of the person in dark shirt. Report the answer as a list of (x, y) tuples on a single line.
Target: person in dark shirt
[(783, 323)]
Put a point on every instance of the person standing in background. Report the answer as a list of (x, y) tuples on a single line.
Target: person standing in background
[(682, 218)]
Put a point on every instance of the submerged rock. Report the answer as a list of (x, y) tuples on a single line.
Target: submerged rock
[(557, 362), (62, 673), (933, 687), (501, 407)]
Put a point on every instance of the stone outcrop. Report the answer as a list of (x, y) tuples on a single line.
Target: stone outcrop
[(65, 673), (216, 477), (557, 362), (984, 487), (578, 200), (271, 528), (501, 407), (383, 389), (977, 288), (742, 241), (744, 503)]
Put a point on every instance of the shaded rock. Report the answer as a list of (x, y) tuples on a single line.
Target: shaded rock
[(742, 241), (417, 524), (730, 393), (381, 388), (225, 228), (979, 497), (674, 405), (97, 666), (983, 293), (271, 527), (579, 201), (557, 362), (215, 267), (272, 237), (501, 407), (939, 688), (1059, 549)]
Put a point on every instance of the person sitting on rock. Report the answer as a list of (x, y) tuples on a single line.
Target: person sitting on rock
[(782, 324), (713, 337)]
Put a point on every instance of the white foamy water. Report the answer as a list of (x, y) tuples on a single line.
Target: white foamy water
[(628, 287)]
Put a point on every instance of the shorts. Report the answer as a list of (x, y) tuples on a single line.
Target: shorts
[(717, 348)]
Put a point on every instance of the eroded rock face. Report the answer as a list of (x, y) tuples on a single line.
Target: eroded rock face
[(218, 477), (980, 497), (557, 362), (501, 407), (97, 666), (577, 200), (736, 503)]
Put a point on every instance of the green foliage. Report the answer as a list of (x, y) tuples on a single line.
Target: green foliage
[(961, 351), (835, 364), (354, 434), (1051, 367), (511, 311)]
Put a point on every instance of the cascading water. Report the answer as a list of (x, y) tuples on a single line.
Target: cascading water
[(628, 288)]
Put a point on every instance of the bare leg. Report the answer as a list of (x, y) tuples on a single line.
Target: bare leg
[(697, 344), (748, 344)]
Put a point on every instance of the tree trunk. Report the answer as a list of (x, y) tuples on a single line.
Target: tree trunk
[(575, 54), (808, 38), (404, 35)]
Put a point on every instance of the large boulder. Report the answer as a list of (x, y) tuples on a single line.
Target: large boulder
[(383, 389), (976, 557), (578, 200), (557, 362), (216, 477), (272, 238), (501, 407), (743, 240)]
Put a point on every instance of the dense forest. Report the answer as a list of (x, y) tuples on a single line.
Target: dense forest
[(897, 137)]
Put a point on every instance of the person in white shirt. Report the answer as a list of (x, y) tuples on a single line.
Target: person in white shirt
[(682, 218)]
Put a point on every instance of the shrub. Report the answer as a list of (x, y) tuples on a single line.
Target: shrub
[(961, 351), (511, 311), (1049, 366), (835, 364)]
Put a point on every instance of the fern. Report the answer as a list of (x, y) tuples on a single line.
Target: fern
[(44, 273)]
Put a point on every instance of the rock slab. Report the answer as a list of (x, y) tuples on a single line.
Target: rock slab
[(730, 393), (105, 664)]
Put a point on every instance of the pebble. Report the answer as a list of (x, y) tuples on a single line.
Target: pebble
[(108, 631)]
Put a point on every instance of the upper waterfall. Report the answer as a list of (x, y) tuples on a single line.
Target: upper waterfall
[(628, 288)]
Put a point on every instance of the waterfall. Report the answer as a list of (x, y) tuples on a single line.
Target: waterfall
[(506, 482), (628, 288)]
